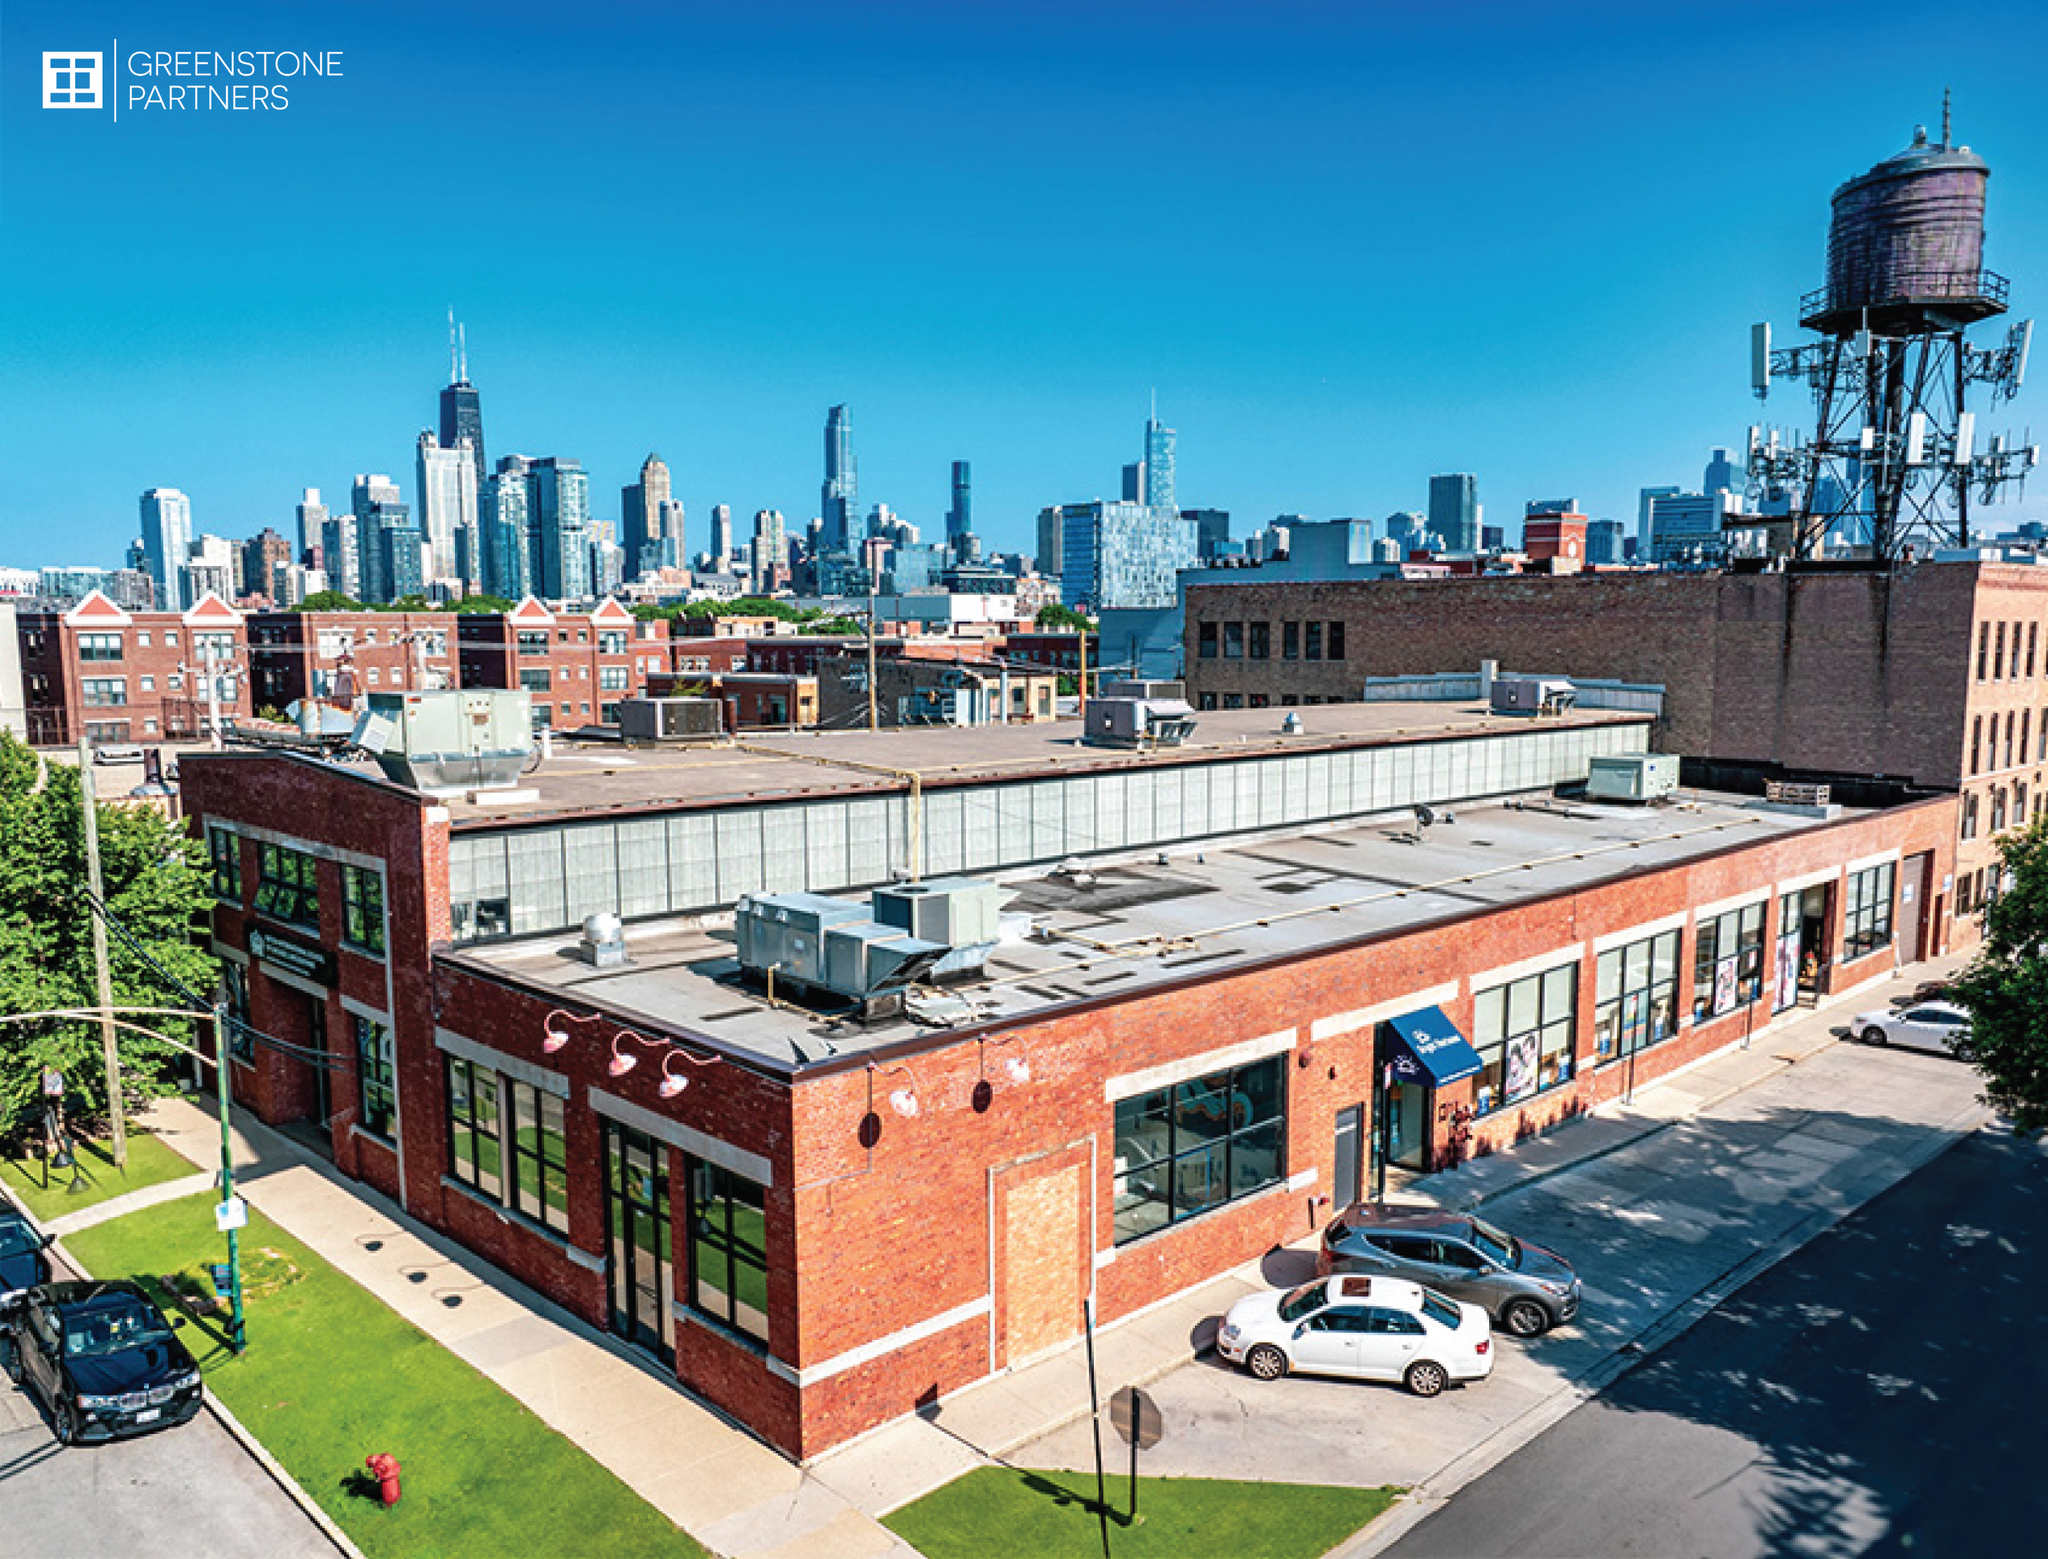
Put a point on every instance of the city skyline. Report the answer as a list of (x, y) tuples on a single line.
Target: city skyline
[(1548, 331)]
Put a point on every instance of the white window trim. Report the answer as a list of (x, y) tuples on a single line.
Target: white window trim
[(1507, 974), (1130, 1084), (1338, 1024), (1641, 933)]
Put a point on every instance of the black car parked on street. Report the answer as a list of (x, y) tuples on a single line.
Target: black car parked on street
[(22, 1262), (104, 1360)]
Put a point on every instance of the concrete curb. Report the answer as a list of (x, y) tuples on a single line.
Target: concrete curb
[(1423, 1500), (234, 1426)]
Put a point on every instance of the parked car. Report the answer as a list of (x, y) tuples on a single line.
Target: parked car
[(104, 1360), (1526, 1288), (1933, 1026), (118, 753), (22, 1262), (1363, 1327)]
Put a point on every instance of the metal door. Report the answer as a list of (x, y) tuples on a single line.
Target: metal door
[(1345, 1183)]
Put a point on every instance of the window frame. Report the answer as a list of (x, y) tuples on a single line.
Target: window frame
[(532, 1164), (1867, 915), (710, 1211), (471, 1171), (1728, 961), (1635, 1006), (1502, 1017), (1186, 1148), (376, 1079), (224, 856), (362, 909), (287, 884)]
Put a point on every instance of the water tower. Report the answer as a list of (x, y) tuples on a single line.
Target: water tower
[(1892, 463)]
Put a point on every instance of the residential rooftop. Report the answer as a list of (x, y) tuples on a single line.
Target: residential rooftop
[(1122, 927)]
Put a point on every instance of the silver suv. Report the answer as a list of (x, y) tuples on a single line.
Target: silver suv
[(1525, 1288)]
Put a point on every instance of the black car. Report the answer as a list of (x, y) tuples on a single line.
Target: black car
[(104, 1359), (22, 1262)]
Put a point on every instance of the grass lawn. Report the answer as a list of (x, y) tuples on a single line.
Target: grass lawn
[(1011, 1513), (149, 1163), (331, 1375)]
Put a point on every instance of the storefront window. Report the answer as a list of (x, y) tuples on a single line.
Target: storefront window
[(1182, 1150), (379, 1079), (1637, 999), (1728, 962), (1868, 923), (728, 1249), (473, 1153), (1523, 1033), (540, 1156)]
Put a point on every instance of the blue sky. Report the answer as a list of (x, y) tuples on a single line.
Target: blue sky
[(1349, 245)]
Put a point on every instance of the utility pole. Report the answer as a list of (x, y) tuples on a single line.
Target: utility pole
[(212, 662), (238, 1332), (873, 722), (103, 978)]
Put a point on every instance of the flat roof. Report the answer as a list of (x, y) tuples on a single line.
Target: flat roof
[(1128, 927), (596, 777)]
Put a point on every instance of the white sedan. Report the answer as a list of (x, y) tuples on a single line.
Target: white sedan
[(1371, 1328), (1932, 1026)]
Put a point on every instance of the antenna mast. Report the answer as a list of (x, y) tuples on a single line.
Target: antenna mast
[(454, 356), (462, 349)]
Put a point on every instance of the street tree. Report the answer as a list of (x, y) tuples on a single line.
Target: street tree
[(2005, 989), (157, 891)]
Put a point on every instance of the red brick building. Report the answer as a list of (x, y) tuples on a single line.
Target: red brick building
[(577, 666), (130, 677), (340, 656), (1168, 1062)]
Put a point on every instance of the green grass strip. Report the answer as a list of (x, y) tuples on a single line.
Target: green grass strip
[(149, 1163), (1013, 1513), (331, 1374)]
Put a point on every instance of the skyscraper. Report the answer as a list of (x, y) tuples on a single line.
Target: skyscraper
[(721, 537), (558, 510), (652, 529), (167, 538), (265, 556), (770, 553), (375, 502), (1159, 489), (1723, 475), (448, 504), (312, 517), (504, 547), (462, 414), (840, 499), (1118, 554), (1454, 511), (341, 553), (960, 516)]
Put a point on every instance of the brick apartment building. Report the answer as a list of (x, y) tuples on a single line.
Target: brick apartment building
[(115, 676), (576, 666), (341, 655), (1172, 1059), (1932, 675)]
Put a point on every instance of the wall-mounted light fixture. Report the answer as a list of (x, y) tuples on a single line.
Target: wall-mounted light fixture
[(902, 1100), (553, 1035)]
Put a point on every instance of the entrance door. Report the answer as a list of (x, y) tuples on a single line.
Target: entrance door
[(1916, 880), (1042, 1243), (1407, 1114), (1813, 942), (639, 1258), (1345, 1184)]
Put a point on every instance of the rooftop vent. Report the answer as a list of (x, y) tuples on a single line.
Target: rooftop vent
[(449, 742), (603, 944)]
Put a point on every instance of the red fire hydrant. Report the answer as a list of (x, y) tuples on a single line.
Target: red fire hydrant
[(385, 1470)]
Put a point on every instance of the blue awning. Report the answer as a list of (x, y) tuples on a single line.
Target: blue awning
[(1426, 1046)]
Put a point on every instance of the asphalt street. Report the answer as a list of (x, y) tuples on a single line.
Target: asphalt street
[(1877, 1393)]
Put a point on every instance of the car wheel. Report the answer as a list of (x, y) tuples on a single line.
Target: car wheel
[(1426, 1378), (1266, 1362), (1875, 1036), (64, 1418), (1525, 1318)]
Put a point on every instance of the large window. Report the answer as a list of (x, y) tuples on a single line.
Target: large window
[(533, 641), (540, 1156), (728, 1249), (1205, 641), (1259, 641), (288, 884), (1727, 962), (224, 851), (1523, 1033), (1197, 1145), (1868, 922), (362, 908), (99, 646), (378, 1075), (103, 692), (1636, 1004), (474, 1156), (534, 679), (506, 1139), (614, 679)]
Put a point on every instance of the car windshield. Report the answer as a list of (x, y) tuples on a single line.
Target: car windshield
[(1305, 1300), (1495, 1246), (17, 1239), (1440, 1309), (112, 1328)]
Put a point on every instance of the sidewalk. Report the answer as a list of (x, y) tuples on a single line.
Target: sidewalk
[(745, 1501)]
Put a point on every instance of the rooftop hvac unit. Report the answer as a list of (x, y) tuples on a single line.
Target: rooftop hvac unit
[(1112, 687), (1533, 695), (1633, 776), (671, 719), (812, 944), (1137, 722), (445, 743), (962, 914)]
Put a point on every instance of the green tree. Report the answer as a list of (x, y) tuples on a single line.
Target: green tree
[(156, 889), (329, 601), (470, 604), (1056, 617), (2005, 989)]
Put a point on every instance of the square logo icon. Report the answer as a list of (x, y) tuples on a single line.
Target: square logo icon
[(72, 81)]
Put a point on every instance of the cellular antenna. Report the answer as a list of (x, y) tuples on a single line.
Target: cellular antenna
[(1945, 141)]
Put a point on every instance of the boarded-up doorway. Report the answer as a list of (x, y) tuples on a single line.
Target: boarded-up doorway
[(1041, 1262)]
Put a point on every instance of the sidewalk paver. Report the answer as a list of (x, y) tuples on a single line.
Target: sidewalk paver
[(745, 1501)]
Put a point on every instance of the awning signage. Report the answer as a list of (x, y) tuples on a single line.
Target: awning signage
[(1426, 1047)]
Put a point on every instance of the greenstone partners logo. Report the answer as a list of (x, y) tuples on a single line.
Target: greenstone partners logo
[(238, 80), (72, 81)]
